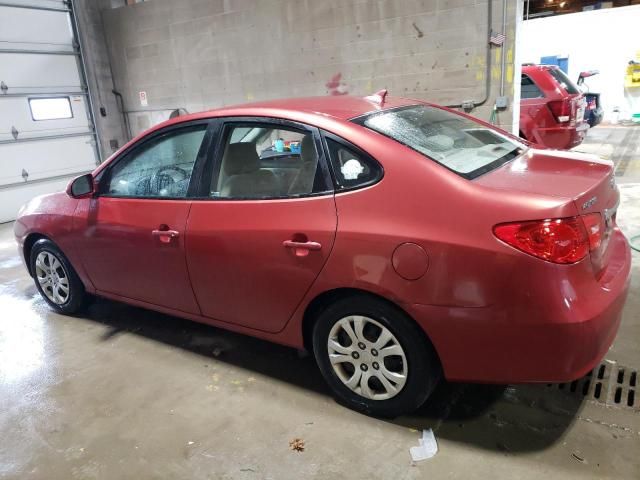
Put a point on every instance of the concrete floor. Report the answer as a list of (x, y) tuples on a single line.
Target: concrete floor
[(130, 394)]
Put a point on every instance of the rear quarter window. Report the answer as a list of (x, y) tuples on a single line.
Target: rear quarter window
[(528, 88), (352, 168)]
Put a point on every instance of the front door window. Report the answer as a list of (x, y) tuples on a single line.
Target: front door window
[(160, 168)]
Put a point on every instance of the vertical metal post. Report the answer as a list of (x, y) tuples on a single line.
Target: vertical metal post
[(83, 75), (503, 47)]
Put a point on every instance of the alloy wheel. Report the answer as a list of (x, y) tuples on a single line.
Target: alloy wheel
[(367, 357), (52, 277)]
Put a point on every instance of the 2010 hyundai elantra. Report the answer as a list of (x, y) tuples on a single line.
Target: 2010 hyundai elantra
[(398, 240)]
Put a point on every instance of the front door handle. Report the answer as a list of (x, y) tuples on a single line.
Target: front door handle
[(165, 236), (301, 249)]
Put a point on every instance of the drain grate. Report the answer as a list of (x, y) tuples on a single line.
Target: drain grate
[(608, 383)]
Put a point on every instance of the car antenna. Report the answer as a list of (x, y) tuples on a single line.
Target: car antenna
[(378, 97)]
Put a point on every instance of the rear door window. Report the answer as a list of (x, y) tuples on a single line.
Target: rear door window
[(564, 81), (268, 160), (528, 88)]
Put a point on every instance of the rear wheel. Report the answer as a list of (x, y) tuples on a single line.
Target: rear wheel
[(374, 357), (55, 278)]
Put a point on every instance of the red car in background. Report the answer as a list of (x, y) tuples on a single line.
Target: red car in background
[(551, 108), (396, 240)]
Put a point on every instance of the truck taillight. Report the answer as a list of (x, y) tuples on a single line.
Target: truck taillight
[(558, 240), (561, 110)]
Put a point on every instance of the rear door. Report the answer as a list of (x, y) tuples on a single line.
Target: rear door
[(264, 224)]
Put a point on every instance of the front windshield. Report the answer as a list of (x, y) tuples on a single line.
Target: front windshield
[(456, 142)]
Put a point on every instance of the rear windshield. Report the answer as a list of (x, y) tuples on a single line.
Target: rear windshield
[(564, 81), (464, 146)]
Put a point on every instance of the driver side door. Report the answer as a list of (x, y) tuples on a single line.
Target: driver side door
[(133, 231)]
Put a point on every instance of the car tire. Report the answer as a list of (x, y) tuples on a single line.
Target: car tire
[(400, 369), (56, 279)]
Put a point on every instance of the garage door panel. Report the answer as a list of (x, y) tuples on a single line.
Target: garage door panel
[(51, 4), (12, 198), (44, 100), (46, 158), (23, 72), (15, 112), (23, 25)]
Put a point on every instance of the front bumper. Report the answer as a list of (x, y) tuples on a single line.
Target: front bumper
[(488, 345), (19, 235)]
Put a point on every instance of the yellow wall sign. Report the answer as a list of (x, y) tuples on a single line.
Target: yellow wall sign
[(632, 77)]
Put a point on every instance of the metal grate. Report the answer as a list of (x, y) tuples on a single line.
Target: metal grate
[(608, 383)]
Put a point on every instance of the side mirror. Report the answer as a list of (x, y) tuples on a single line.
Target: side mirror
[(81, 187)]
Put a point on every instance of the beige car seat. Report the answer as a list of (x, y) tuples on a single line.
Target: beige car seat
[(243, 176), (303, 182)]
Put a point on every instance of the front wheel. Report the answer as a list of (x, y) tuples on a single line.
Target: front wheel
[(374, 358), (55, 278)]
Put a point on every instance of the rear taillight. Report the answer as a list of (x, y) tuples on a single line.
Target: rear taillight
[(561, 110), (593, 224), (559, 240)]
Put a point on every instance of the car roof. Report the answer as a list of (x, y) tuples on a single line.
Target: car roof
[(535, 66), (337, 107), (341, 107)]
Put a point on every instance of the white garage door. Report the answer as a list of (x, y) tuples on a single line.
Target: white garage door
[(46, 130)]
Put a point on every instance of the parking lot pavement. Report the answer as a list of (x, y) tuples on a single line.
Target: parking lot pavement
[(121, 392), (620, 144)]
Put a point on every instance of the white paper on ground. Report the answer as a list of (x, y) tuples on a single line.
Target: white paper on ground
[(427, 449)]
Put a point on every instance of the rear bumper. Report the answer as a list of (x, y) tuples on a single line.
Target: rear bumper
[(562, 138), (488, 345)]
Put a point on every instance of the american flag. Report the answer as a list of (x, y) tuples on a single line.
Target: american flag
[(497, 39)]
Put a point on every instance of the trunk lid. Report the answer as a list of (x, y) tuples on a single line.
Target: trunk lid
[(586, 180)]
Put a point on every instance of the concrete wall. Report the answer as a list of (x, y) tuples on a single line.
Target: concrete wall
[(201, 54), (98, 68), (609, 50)]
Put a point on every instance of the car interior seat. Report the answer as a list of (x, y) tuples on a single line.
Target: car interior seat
[(303, 182), (242, 176)]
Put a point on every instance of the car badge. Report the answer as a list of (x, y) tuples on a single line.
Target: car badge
[(589, 203)]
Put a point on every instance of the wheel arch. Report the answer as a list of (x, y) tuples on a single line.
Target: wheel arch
[(29, 242), (324, 299)]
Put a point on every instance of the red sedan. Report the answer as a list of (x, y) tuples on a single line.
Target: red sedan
[(551, 108), (398, 240)]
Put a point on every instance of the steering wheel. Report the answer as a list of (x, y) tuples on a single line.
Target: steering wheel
[(164, 177)]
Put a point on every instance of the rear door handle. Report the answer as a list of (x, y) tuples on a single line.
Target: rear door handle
[(301, 249), (165, 236)]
